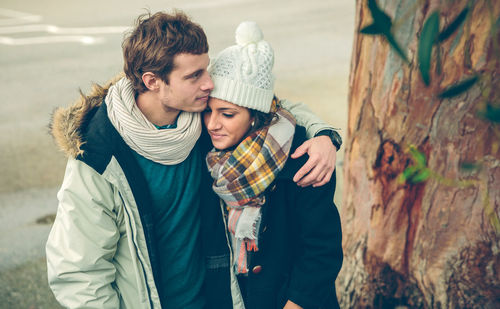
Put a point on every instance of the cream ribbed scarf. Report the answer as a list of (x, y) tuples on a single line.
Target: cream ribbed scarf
[(167, 146)]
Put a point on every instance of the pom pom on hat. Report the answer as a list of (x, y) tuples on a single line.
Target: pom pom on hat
[(242, 73), (248, 32)]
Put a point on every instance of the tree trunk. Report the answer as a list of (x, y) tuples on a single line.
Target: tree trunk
[(432, 244)]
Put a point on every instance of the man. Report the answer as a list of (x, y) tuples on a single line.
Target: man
[(127, 227)]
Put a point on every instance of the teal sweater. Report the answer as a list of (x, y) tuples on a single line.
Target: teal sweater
[(176, 205)]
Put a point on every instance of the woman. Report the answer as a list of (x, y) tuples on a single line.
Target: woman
[(283, 241)]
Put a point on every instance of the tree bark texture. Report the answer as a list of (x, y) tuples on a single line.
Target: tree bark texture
[(431, 244)]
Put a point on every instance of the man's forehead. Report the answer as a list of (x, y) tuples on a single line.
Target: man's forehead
[(185, 61)]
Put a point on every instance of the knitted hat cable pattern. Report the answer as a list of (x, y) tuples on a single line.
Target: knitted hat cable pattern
[(242, 73)]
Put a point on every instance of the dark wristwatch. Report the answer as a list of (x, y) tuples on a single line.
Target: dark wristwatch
[(333, 135)]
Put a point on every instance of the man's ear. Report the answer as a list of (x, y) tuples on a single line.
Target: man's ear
[(150, 81)]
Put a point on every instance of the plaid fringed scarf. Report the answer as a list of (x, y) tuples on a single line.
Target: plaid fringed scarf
[(243, 174)]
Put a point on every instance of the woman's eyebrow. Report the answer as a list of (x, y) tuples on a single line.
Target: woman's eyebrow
[(225, 109)]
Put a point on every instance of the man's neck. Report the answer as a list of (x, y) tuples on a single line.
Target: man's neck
[(157, 113)]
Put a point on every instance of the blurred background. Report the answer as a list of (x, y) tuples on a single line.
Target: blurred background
[(50, 49)]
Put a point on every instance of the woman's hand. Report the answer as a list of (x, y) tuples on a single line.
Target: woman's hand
[(291, 305), (319, 168)]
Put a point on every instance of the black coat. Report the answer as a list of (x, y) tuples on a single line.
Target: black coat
[(300, 251)]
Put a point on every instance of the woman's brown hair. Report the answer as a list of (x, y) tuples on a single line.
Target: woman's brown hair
[(262, 119)]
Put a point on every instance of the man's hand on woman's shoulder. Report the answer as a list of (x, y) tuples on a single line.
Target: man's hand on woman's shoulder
[(318, 170)]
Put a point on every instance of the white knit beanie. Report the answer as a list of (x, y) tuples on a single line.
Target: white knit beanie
[(242, 73)]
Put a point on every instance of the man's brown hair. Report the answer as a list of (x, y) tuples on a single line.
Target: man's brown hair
[(154, 42)]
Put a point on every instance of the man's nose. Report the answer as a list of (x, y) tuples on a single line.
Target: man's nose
[(208, 84)]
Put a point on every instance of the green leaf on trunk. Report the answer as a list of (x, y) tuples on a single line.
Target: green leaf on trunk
[(491, 113), (421, 176), (470, 166), (407, 174), (428, 37), (396, 47), (382, 25), (453, 26), (458, 88), (418, 157), (370, 30), (380, 18), (418, 172)]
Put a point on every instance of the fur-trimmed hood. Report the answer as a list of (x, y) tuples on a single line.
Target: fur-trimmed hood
[(67, 122)]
